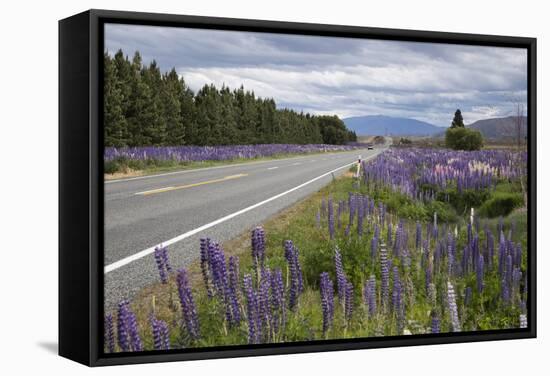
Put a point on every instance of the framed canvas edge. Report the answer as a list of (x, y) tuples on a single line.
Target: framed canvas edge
[(96, 20)]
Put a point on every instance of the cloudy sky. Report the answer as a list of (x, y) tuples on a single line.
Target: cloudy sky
[(343, 76)]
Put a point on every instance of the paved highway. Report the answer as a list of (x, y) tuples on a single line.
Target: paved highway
[(178, 208)]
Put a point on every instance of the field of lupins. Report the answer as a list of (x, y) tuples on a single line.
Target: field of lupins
[(218, 153), (347, 266)]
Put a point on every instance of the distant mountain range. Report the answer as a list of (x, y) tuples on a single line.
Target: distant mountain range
[(500, 128), (373, 125)]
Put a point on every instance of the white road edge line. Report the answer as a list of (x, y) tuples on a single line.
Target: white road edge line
[(120, 263)]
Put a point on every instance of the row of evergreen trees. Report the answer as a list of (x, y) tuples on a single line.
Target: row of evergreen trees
[(144, 107)]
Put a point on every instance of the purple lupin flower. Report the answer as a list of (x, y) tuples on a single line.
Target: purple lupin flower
[(508, 272), (453, 309), (277, 301), (165, 259), (450, 254), (231, 301), (397, 302), (165, 334), (205, 264), (385, 275), (258, 248), (373, 247), (234, 274), (189, 311), (122, 327), (160, 264), (340, 275), (109, 333), (348, 311), (396, 293), (155, 329), (254, 332), (505, 290), (159, 328), (330, 218), (327, 301), (128, 334), (296, 283), (480, 273), (371, 295), (264, 303), (135, 339)]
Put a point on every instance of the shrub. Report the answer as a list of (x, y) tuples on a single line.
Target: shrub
[(501, 204), (468, 198), (463, 139), (110, 167), (445, 211)]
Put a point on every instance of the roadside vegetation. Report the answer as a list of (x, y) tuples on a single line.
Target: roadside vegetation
[(398, 251), (120, 162)]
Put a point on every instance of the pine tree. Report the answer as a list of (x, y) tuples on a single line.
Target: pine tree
[(171, 100), (140, 112), (209, 117), (115, 126), (155, 126), (229, 131), (188, 114), (457, 120)]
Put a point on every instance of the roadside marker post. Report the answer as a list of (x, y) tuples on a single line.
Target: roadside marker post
[(358, 167)]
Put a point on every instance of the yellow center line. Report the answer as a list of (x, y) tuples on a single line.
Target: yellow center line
[(168, 189)]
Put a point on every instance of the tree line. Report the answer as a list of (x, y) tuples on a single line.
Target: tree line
[(145, 107)]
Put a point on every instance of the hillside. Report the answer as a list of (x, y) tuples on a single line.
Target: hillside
[(382, 125), (500, 128)]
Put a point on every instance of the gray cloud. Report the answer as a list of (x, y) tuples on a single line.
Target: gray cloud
[(345, 76)]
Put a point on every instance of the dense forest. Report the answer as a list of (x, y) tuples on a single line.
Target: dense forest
[(144, 107)]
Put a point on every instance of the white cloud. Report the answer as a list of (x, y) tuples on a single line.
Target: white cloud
[(326, 75)]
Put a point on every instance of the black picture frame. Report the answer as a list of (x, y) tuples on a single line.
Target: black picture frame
[(81, 185)]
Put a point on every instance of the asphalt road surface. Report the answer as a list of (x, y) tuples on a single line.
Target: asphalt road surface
[(178, 208)]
